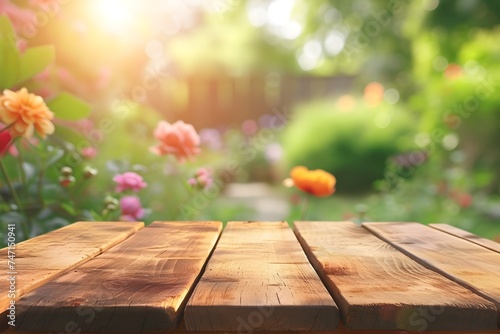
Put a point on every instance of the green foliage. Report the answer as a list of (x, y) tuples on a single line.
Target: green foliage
[(20, 67), (458, 95), (9, 55), (68, 107), (353, 145), (451, 14), (33, 193), (34, 60), (436, 194)]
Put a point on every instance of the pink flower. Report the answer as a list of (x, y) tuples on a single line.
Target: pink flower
[(89, 152), (13, 151), (202, 179), (44, 75), (179, 139), (22, 19), (129, 181), (64, 74), (104, 79), (249, 127), (131, 208), (21, 45), (44, 92), (45, 3)]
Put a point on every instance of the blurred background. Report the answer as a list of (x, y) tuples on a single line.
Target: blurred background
[(398, 99)]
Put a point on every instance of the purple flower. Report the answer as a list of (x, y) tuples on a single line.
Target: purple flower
[(211, 138), (129, 181), (131, 208), (273, 153)]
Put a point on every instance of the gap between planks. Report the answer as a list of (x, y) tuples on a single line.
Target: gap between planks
[(472, 266), (140, 285), (490, 244), (259, 278), (378, 287)]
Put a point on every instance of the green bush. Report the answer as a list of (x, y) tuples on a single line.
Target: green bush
[(353, 144), (461, 99)]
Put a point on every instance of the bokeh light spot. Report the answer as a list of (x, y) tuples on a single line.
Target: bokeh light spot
[(391, 96), (115, 15), (422, 139), (383, 120), (450, 141)]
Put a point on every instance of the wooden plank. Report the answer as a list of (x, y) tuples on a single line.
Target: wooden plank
[(139, 285), (260, 279), (490, 244), (181, 329), (378, 287), (470, 265), (48, 256)]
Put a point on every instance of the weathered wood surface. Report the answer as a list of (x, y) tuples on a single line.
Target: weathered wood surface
[(490, 244), (48, 256), (378, 287), (472, 266), (258, 279), (181, 329), (139, 285)]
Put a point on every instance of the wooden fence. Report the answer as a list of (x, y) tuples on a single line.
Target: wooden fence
[(216, 101)]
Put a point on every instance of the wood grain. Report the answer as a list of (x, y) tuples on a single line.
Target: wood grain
[(470, 265), (181, 329), (139, 285), (260, 279), (48, 256), (378, 287), (490, 244)]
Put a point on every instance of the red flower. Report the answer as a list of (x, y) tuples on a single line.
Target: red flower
[(5, 142), (464, 200)]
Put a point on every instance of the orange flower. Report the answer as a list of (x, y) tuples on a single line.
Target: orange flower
[(316, 182), (23, 113), (179, 139), (374, 94)]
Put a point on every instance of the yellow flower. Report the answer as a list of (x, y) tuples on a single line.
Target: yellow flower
[(316, 182), (24, 112)]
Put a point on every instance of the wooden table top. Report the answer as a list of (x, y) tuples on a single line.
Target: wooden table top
[(319, 277)]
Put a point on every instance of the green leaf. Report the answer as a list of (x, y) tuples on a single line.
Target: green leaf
[(9, 55), (34, 61), (69, 107), (69, 209)]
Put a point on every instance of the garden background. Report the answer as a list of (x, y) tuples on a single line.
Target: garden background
[(397, 99)]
